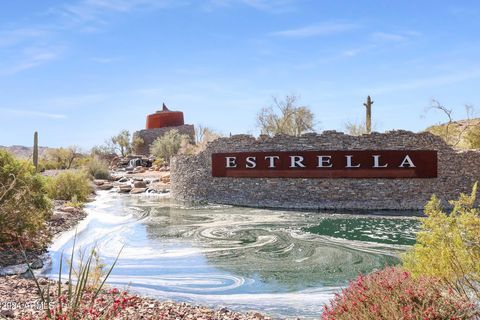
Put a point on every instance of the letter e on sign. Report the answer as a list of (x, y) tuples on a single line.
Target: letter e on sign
[(231, 162)]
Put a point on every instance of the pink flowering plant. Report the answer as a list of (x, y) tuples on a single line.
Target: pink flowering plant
[(393, 293)]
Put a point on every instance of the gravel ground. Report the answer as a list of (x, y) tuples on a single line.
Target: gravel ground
[(19, 300)]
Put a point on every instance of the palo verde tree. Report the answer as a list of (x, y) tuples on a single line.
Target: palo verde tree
[(448, 245), (62, 158), (284, 116), (121, 143)]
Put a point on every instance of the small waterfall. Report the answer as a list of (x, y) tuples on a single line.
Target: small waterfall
[(132, 163)]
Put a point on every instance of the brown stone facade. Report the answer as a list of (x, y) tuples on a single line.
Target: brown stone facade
[(192, 179), (149, 135)]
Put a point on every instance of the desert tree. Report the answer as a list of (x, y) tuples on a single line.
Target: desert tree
[(121, 143), (104, 152), (63, 158), (204, 135), (451, 132), (285, 116)]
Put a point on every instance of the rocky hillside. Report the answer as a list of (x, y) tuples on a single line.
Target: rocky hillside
[(23, 152), (462, 134)]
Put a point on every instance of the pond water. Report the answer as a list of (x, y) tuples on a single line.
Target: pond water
[(283, 263)]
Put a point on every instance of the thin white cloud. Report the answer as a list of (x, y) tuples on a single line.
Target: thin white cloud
[(76, 100), (105, 60), (356, 51), (393, 37), (273, 6), (30, 58), (384, 36), (93, 11), (379, 40), (324, 29), (421, 83), (32, 46), (14, 37), (32, 113)]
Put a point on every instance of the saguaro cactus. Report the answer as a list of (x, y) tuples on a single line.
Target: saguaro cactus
[(368, 119), (35, 150)]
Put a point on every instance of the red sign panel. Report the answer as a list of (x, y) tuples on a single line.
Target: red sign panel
[(326, 164)]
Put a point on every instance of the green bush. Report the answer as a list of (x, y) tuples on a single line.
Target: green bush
[(24, 205), (98, 169), (448, 245), (168, 145), (69, 185)]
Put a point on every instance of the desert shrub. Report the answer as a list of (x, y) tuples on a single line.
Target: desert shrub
[(159, 162), (137, 144), (98, 169), (24, 205), (393, 293), (168, 145), (448, 245), (473, 136), (44, 164), (69, 185), (74, 203)]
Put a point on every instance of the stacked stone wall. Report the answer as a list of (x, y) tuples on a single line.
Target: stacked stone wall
[(192, 180), (149, 135)]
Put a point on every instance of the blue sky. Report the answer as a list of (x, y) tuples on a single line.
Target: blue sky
[(80, 71)]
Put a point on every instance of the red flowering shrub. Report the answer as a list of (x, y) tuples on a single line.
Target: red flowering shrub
[(393, 293)]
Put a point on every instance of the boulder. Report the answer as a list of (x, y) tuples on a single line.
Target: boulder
[(125, 189), (57, 216), (139, 170), (123, 179), (166, 179), (106, 186), (7, 313), (99, 182), (20, 268), (68, 209), (139, 184), (138, 190)]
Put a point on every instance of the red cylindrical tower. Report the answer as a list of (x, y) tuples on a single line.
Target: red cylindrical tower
[(164, 118)]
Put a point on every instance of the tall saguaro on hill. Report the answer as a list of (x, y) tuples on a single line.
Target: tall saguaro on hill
[(35, 150), (368, 119)]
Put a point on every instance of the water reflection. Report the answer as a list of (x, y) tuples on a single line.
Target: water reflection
[(282, 262)]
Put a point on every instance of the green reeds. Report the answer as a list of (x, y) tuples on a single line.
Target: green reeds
[(75, 299)]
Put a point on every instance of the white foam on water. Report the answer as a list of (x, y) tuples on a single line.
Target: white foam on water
[(246, 259)]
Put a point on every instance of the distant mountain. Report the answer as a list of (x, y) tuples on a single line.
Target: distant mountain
[(23, 152), (455, 133)]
